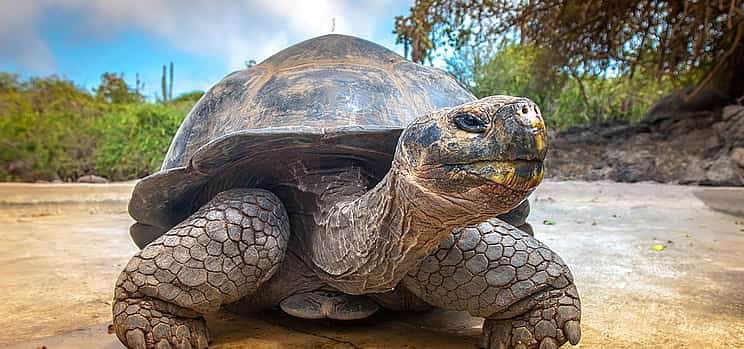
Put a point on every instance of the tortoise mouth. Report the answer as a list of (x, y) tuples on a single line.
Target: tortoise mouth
[(520, 174)]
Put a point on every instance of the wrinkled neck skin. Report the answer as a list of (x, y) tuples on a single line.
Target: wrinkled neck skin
[(366, 241)]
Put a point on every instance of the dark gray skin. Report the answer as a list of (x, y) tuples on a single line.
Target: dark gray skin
[(447, 173)]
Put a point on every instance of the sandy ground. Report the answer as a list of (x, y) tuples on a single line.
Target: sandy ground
[(62, 247)]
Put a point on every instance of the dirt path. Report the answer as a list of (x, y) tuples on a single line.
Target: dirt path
[(63, 246)]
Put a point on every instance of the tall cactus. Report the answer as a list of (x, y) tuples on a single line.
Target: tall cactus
[(170, 90), (163, 87)]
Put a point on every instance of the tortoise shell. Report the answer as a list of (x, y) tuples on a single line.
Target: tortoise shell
[(332, 98)]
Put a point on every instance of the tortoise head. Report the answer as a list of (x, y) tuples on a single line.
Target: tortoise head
[(488, 152)]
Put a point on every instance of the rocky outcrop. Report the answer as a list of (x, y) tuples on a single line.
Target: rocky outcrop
[(92, 179), (702, 147)]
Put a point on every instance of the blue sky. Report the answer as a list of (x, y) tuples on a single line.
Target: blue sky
[(205, 39)]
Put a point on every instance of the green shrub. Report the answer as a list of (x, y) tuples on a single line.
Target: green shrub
[(134, 138), (564, 99), (52, 129), (45, 129)]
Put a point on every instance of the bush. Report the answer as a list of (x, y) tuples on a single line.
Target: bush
[(564, 99), (134, 138), (52, 129)]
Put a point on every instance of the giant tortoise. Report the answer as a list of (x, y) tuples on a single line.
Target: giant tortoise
[(335, 178)]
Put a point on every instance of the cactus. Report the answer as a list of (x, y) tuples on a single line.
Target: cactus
[(163, 87), (170, 90)]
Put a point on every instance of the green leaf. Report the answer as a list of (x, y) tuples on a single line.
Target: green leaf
[(658, 247), (549, 222)]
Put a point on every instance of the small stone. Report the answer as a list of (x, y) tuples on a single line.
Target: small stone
[(92, 179), (737, 154)]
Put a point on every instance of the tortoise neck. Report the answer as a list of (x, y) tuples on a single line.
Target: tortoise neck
[(367, 243), (339, 185)]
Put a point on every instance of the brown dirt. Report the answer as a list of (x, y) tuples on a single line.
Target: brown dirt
[(64, 245)]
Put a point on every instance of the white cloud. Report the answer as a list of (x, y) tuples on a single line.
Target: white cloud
[(18, 41), (231, 31)]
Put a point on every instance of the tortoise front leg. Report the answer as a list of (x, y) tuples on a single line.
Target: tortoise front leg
[(496, 271), (221, 253)]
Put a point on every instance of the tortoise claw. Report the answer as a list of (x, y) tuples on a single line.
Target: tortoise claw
[(572, 330), (163, 344), (136, 339), (548, 343)]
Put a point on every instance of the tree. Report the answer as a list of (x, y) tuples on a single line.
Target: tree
[(673, 39), (113, 89)]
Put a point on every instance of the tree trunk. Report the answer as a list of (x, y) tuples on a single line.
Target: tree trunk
[(723, 87)]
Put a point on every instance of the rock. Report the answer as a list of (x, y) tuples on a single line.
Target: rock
[(732, 130), (92, 179), (631, 166), (694, 172), (737, 154), (731, 111), (678, 146), (598, 174), (723, 171)]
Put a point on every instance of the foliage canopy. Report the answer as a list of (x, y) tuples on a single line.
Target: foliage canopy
[(676, 39)]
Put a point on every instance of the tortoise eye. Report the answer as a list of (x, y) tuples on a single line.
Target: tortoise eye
[(470, 123)]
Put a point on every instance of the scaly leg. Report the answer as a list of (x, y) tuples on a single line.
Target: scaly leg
[(221, 253), (523, 289)]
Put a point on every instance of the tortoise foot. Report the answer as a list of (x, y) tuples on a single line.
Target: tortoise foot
[(140, 326), (330, 305), (554, 321)]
